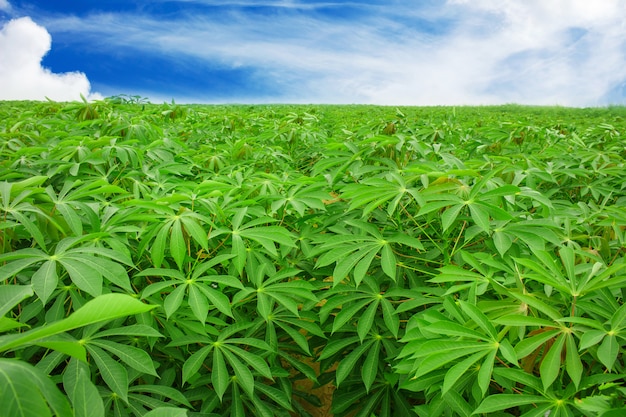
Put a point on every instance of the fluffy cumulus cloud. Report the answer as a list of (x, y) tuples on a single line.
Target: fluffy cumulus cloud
[(23, 44)]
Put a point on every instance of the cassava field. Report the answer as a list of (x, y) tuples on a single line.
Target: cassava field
[(274, 260)]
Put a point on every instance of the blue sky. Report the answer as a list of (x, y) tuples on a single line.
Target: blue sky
[(454, 52)]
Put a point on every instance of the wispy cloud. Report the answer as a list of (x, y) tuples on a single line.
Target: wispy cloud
[(568, 52)]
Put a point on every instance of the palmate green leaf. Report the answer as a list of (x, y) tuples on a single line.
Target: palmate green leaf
[(457, 403), (591, 338), (296, 336), (28, 392), (7, 324), (480, 216), (112, 372), (508, 352), (103, 308)]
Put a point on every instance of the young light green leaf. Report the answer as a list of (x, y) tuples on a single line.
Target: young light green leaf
[(103, 308)]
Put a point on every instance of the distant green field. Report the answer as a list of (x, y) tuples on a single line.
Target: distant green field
[(167, 260)]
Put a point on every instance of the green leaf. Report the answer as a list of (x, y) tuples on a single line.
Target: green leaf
[(348, 313), (388, 261), (28, 392), (85, 278), (449, 216), (591, 338), (132, 330), (499, 402), (459, 369), (551, 363), (479, 318), (218, 299), (507, 351), (608, 351), (276, 395), (11, 295), (167, 412), (45, 280), (366, 320), (573, 364), (198, 303), (173, 300), (195, 362), (134, 357), (85, 398), (219, 373), (178, 248), (243, 374), (390, 317), (528, 345), (255, 361), (370, 366), (112, 372), (484, 372), (451, 328), (480, 216), (347, 363), (103, 308)]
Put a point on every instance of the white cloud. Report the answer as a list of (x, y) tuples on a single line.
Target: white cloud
[(5, 6), (568, 52), (23, 44)]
